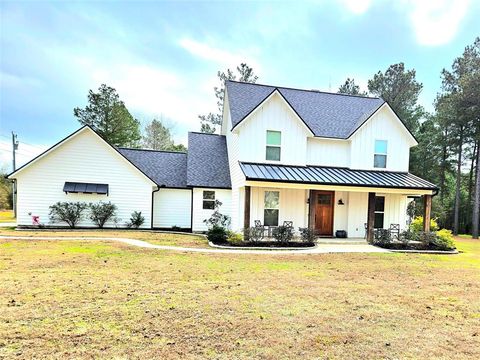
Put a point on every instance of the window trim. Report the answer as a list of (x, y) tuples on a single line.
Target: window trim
[(380, 212), (268, 208), (267, 145), (375, 153), (204, 200)]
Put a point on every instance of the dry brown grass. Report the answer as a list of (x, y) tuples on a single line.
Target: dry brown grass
[(154, 237), (83, 299)]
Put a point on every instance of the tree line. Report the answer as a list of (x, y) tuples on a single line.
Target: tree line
[(109, 116), (448, 152)]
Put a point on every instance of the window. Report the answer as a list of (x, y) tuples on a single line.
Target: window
[(380, 156), (209, 200), (379, 211), (274, 139), (270, 212)]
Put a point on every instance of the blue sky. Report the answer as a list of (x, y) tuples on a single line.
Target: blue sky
[(162, 57)]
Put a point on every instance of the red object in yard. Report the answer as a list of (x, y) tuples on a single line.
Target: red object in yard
[(36, 220)]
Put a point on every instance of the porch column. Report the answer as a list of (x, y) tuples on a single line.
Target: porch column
[(427, 209), (246, 210), (370, 216)]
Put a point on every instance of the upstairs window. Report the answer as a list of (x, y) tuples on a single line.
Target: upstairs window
[(209, 200), (380, 156), (271, 208), (274, 140)]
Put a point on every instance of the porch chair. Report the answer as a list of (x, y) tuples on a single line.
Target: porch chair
[(288, 224), (395, 231), (258, 223)]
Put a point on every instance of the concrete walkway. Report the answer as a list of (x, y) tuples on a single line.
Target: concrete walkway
[(319, 249)]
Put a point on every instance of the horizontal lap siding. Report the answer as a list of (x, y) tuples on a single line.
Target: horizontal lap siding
[(172, 207), (200, 214), (83, 158)]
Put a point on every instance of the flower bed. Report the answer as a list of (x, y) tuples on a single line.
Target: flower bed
[(414, 239)]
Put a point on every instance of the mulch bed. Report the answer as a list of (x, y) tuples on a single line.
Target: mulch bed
[(269, 244)]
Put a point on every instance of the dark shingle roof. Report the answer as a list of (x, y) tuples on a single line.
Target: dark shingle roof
[(333, 176), (207, 161), (325, 114), (164, 167)]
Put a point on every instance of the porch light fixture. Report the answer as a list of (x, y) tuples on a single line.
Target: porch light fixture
[(340, 202)]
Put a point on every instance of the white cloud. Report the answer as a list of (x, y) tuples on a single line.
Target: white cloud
[(219, 56), (357, 7), (436, 22)]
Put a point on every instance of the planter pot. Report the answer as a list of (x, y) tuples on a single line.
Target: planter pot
[(341, 234)]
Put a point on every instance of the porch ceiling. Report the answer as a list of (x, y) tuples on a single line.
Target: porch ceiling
[(335, 177)]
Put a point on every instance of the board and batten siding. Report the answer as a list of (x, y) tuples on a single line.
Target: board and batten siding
[(292, 206), (273, 114), (172, 207), (236, 174), (382, 126), (357, 205), (200, 214), (85, 157), (328, 152)]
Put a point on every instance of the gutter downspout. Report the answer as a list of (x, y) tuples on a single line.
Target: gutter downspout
[(151, 212)]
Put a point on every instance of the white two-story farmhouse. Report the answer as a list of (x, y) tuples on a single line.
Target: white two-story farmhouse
[(328, 161)]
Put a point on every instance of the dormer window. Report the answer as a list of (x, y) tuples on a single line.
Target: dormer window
[(274, 140), (380, 156)]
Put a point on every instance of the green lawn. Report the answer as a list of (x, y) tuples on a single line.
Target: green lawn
[(98, 299), (6, 216)]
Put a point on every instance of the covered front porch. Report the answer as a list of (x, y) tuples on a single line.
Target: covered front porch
[(333, 209)]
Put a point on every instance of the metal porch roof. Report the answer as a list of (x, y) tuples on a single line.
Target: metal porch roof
[(333, 176)]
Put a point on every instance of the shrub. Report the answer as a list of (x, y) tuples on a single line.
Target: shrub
[(444, 240), (407, 236), (217, 218), (101, 212), (217, 234), (234, 238), (382, 238), (136, 220), (417, 224), (283, 234), (253, 234), (307, 235), (69, 212), (427, 238)]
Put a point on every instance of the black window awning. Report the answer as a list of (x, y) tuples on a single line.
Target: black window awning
[(86, 188), (322, 175)]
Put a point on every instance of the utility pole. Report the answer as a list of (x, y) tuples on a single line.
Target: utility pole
[(14, 187)]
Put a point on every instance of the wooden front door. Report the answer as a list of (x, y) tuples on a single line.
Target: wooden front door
[(324, 212)]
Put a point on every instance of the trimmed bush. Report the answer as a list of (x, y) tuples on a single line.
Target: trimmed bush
[(417, 224), (136, 220), (444, 240), (407, 236), (234, 238), (253, 234), (68, 212), (101, 212), (382, 238), (217, 234), (283, 234), (307, 235), (427, 239)]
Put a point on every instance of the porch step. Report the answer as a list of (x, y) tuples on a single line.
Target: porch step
[(336, 241)]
